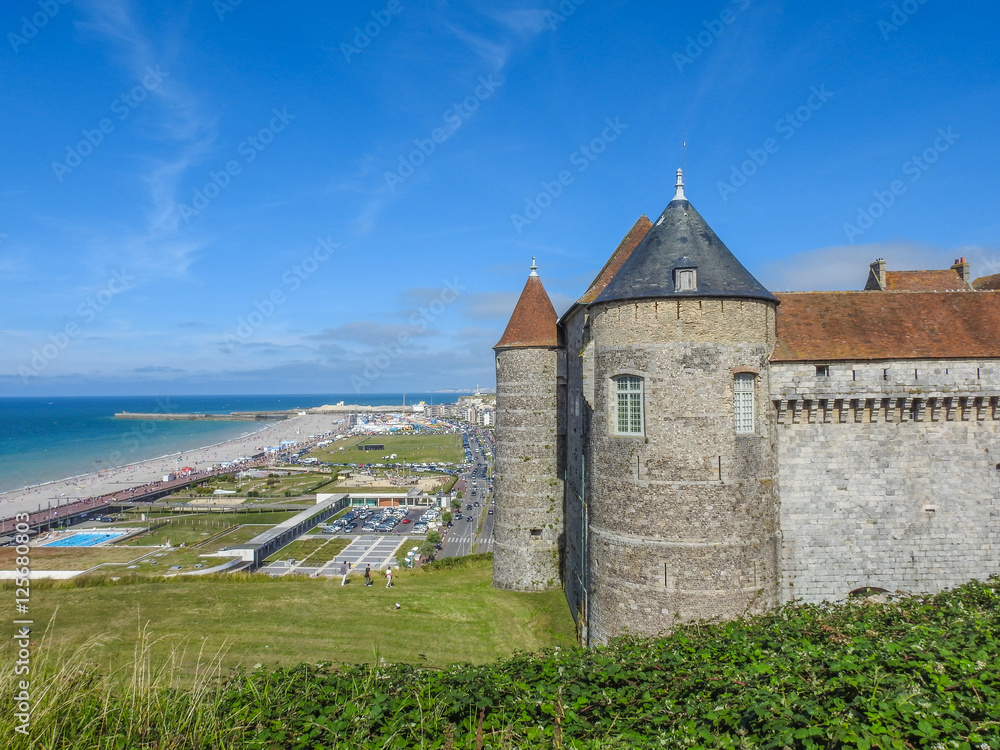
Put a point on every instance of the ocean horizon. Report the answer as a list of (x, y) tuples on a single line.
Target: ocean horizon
[(46, 439)]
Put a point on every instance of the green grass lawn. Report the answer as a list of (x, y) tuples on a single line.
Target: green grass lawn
[(418, 448), (448, 616), (298, 483), (69, 558), (302, 549)]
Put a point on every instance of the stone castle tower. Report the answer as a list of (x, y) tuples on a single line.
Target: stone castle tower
[(683, 509), (670, 462), (528, 479)]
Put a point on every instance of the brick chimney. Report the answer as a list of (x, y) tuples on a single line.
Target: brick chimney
[(964, 270), (876, 277)]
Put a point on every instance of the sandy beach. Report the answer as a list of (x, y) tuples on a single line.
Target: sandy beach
[(68, 490)]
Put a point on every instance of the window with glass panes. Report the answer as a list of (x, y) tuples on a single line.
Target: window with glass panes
[(628, 405), (743, 401)]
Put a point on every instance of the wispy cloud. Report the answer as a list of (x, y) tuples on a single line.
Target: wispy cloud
[(177, 123), (495, 53)]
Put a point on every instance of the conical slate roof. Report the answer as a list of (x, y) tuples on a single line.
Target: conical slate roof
[(681, 238), (533, 322)]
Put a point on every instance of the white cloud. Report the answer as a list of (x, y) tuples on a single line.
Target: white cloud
[(495, 53), (845, 267), (174, 119)]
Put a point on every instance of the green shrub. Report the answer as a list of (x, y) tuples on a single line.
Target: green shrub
[(917, 672)]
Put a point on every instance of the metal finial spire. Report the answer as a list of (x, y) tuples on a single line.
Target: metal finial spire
[(534, 267), (679, 195)]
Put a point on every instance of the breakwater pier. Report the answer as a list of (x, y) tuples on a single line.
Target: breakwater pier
[(265, 416), (236, 416)]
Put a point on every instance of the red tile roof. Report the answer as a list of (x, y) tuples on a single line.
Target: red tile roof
[(618, 257), (818, 326), (925, 281), (986, 283), (533, 322)]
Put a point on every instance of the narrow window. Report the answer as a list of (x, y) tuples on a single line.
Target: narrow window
[(743, 398), (628, 405)]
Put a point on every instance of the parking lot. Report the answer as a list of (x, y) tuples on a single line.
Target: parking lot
[(397, 520)]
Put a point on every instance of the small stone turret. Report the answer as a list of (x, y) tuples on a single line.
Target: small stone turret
[(528, 487)]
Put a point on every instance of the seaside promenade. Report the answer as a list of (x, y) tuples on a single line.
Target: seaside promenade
[(50, 502)]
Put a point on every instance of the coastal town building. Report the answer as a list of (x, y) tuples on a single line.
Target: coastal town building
[(685, 444)]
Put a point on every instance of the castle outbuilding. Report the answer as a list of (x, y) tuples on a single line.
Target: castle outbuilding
[(683, 444)]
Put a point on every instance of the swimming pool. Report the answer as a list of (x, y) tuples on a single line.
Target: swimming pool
[(86, 539)]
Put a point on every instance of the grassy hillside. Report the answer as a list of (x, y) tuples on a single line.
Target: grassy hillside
[(916, 673), (444, 617)]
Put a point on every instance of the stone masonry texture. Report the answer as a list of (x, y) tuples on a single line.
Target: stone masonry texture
[(889, 475), (528, 528), (683, 520)]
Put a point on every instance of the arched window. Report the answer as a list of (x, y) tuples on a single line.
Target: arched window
[(628, 405), (743, 398)]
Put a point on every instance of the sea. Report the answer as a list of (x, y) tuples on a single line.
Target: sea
[(46, 439)]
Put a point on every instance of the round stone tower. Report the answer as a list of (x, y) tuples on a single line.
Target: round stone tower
[(528, 487), (683, 520)]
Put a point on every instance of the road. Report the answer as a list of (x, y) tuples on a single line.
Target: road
[(474, 531)]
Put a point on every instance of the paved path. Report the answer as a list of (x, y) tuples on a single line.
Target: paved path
[(368, 549)]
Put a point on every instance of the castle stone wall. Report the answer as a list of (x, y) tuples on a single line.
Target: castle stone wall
[(683, 520), (528, 489), (888, 474)]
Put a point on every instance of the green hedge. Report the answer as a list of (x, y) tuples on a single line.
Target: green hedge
[(920, 672)]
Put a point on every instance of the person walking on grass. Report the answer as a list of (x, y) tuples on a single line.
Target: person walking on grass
[(368, 575), (343, 573), (388, 578)]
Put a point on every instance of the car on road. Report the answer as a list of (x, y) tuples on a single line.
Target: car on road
[(490, 511), (406, 520)]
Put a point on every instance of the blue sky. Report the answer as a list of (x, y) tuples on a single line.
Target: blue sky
[(247, 197)]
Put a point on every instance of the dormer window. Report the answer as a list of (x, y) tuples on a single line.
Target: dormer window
[(686, 279)]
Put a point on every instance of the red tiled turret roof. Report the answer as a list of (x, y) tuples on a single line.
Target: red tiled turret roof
[(533, 322), (818, 326)]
